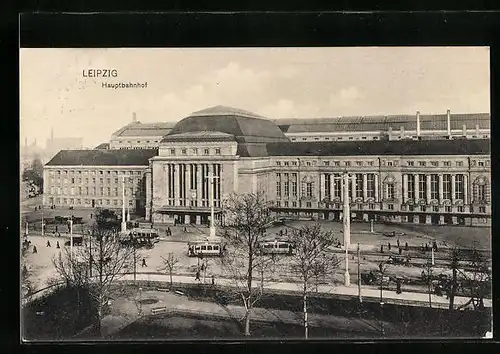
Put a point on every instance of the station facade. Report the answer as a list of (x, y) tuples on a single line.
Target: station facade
[(222, 150)]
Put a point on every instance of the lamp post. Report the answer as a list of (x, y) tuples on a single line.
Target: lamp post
[(71, 241), (124, 223), (211, 178), (42, 218), (359, 277), (346, 222)]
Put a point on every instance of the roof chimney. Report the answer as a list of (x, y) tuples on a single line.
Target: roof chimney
[(448, 124), (134, 117), (418, 123)]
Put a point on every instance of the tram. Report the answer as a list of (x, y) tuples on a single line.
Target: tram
[(140, 237), (214, 248), (277, 247)]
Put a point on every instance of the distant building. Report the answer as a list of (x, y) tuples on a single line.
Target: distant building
[(431, 181), (137, 135), (103, 146), (54, 145)]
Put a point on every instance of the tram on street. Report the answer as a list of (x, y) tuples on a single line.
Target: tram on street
[(214, 248), (277, 247), (140, 237)]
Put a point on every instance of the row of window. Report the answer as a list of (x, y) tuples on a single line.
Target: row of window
[(388, 163), (93, 173), (93, 180), (117, 192), (371, 206), (336, 138), (195, 151), (138, 141), (417, 187), (77, 201)]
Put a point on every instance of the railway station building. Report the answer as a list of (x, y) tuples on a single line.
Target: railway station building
[(433, 174)]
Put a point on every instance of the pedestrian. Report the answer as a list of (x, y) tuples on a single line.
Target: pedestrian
[(56, 228), (34, 249), (406, 246), (434, 246), (426, 247), (144, 262), (400, 250), (48, 243), (213, 279), (397, 242), (423, 248), (381, 267), (389, 246), (57, 245), (381, 248), (185, 229), (197, 276), (91, 215), (398, 286)]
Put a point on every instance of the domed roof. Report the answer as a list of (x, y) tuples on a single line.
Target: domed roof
[(237, 122)]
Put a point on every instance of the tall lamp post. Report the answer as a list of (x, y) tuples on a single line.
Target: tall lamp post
[(211, 178), (124, 222), (42, 219), (346, 222)]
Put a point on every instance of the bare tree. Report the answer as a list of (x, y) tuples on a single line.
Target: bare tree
[(313, 258), (245, 221), (96, 265), (169, 263)]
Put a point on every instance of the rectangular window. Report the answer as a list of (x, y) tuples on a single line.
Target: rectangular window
[(116, 192), (326, 163), (422, 186), (389, 163), (434, 163), (286, 163), (447, 186), (278, 163), (308, 205), (108, 191), (336, 163), (359, 185), (390, 206), (372, 206), (337, 186), (411, 187), (447, 163), (286, 185), (447, 209), (294, 184), (459, 187), (481, 192), (184, 151), (278, 185), (390, 191), (480, 163), (115, 202), (217, 151), (278, 203), (294, 163), (294, 204), (435, 209), (286, 204), (348, 163), (370, 163), (108, 180), (172, 151), (309, 189), (195, 151), (460, 209), (359, 163), (459, 163), (422, 208), (421, 163), (482, 209), (410, 163), (370, 185), (434, 187)]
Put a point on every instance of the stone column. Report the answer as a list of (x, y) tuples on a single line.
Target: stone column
[(321, 187), (353, 184), (415, 176), (428, 219), (365, 187), (466, 190), (198, 185), (441, 220), (453, 189), (441, 188), (178, 177), (405, 188), (428, 188), (376, 188), (332, 185), (188, 185)]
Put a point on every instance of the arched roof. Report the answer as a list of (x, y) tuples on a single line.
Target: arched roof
[(251, 131), (242, 124)]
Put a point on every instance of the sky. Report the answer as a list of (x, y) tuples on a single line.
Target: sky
[(272, 82)]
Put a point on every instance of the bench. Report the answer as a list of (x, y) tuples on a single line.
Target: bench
[(163, 289), (179, 292)]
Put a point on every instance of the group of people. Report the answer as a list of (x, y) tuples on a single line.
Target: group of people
[(426, 248), (168, 231), (400, 249)]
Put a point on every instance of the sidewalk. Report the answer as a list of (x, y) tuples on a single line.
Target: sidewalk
[(370, 294)]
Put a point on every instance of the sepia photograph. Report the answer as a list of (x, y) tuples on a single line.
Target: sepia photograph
[(279, 193)]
